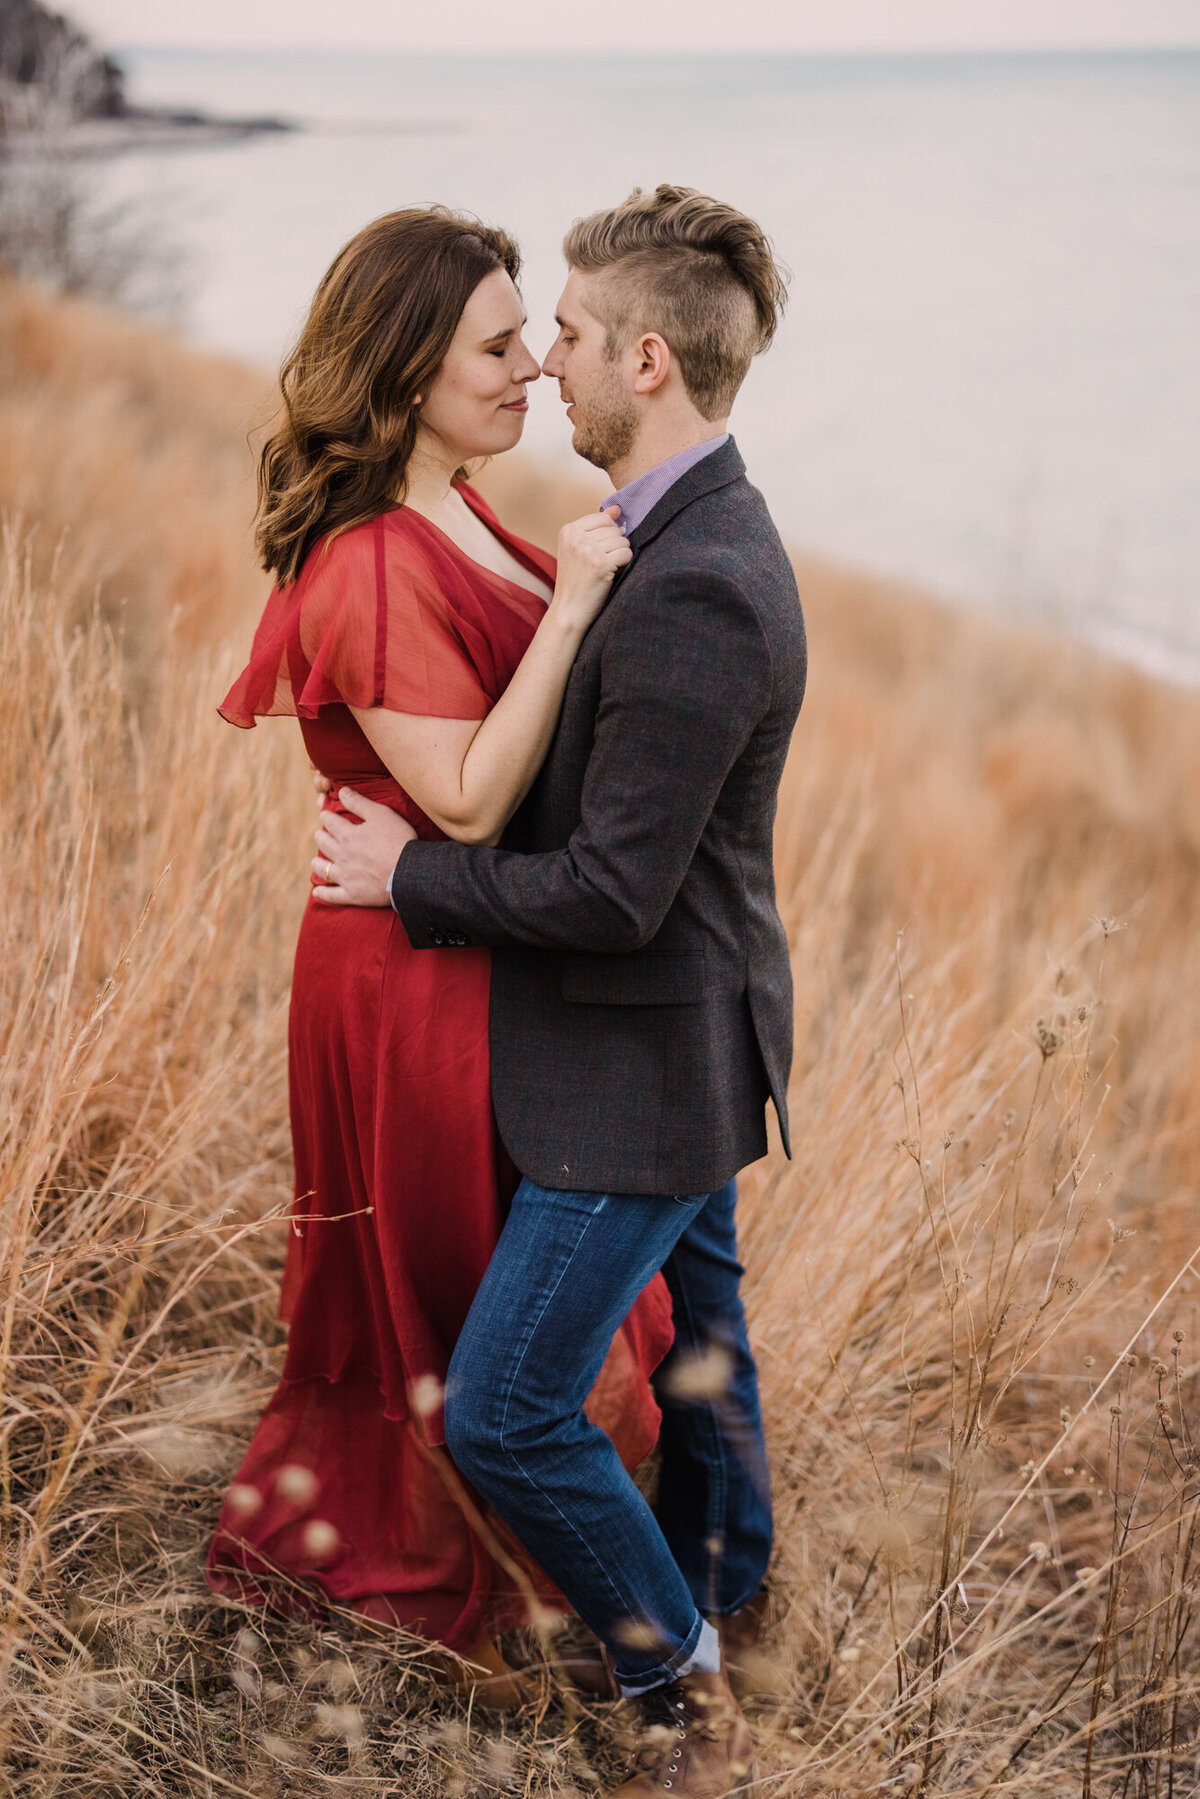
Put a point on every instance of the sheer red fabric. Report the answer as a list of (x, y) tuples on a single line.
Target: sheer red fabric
[(346, 1492)]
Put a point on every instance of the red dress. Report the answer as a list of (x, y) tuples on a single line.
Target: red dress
[(347, 1492)]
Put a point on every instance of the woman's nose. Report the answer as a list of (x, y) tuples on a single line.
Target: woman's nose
[(530, 369)]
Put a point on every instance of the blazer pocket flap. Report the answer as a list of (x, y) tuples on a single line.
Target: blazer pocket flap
[(633, 980)]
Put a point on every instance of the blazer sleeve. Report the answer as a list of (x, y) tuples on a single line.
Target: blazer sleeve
[(685, 677)]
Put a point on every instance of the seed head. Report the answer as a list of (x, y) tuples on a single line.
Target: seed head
[(320, 1539), (702, 1375), (500, 1758), (344, 1721), (636, 1633), (296, 1484), (181, 1454), (427, 1394), (543, 1619), (243, 1500), (337, 1676), (281, 1750)]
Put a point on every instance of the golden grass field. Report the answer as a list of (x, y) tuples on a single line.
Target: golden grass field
[(974, 1289)]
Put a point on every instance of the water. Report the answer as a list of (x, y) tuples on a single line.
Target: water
[(989, 378)]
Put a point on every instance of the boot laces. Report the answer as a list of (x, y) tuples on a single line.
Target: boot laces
[(673, 1722)]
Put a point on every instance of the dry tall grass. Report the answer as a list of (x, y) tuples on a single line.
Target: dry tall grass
[(974, 1289)]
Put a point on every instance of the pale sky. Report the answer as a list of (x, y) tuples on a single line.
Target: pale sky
[(649, 25)]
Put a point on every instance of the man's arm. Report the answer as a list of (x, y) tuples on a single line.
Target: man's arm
[(685, 677)]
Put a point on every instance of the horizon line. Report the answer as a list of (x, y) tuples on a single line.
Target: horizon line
[(824, 52)]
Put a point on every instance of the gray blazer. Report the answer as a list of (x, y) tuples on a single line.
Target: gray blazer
[(641, 1003)]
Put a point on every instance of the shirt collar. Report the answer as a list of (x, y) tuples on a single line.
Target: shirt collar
[(639, 497)]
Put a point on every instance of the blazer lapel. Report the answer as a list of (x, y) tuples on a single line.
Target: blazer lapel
[(718, 470)]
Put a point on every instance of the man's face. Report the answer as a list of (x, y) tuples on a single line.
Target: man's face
[(596, 386)]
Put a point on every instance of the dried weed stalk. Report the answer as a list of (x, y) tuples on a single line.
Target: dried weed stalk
[(973, 1289)]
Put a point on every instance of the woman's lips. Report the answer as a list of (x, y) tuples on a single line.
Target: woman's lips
[(517, 406)]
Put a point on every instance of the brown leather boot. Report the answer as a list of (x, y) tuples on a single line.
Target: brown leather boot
[(698, 1746), (589, 1671), (741, 1657), (497, 1687)]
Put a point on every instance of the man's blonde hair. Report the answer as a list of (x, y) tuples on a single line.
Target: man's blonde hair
[(699, 273)]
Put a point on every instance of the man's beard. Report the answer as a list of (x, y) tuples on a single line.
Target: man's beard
[(606, 435)]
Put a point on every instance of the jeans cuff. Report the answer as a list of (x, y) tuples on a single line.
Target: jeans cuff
[(727, 1611), (699, 1653)]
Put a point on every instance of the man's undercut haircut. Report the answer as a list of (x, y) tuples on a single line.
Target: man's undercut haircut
[(698, 273)]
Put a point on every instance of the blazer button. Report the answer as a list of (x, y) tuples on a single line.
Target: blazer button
[(438, 939)]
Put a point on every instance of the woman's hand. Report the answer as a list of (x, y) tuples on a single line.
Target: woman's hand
[(354, 860), (590, 551)]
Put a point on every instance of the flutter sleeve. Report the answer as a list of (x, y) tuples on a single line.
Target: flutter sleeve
[(365, 624)]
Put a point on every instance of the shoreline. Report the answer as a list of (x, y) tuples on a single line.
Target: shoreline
[(141, 129), (184, 130)]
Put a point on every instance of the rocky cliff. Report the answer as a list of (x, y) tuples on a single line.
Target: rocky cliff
[(46, 62)]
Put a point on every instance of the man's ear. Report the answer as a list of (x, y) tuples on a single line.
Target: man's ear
[(653, 362)]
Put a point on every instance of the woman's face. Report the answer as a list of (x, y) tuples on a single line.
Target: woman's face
[(476, 405)]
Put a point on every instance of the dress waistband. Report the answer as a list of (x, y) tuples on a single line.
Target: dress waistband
[(385, 791)]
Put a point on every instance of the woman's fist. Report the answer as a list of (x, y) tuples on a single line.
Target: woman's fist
[(590, 551)]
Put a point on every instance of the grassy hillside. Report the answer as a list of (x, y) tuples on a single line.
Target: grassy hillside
[(971, 1288)]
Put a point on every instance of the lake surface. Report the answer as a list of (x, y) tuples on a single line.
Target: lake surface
[(989, 377)]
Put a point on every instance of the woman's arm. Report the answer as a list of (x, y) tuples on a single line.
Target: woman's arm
[(470, 775)]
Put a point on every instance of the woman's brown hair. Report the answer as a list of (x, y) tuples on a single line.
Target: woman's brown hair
[(375, 337)]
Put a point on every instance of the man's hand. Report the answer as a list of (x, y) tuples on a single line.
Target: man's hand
[(353, 862)]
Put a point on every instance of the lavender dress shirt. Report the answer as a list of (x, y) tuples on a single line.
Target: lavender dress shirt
[(638, 498)]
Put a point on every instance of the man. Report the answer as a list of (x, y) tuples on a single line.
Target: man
[(641, 994)]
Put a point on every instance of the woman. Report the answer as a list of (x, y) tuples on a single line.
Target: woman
[(424, 650)]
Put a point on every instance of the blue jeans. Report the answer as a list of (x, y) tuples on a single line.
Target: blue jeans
[(564, 1275)]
